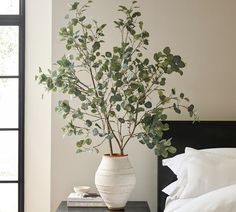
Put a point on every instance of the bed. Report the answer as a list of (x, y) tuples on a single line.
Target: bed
[(200, 135)]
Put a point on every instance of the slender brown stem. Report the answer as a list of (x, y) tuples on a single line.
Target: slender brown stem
[(135, 125), (99, 144), (111, 148), (112, 131)]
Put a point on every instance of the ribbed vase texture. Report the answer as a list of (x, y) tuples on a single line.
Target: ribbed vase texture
[(115, 180)]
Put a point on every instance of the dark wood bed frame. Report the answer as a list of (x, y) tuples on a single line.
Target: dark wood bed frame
[(199, 135)]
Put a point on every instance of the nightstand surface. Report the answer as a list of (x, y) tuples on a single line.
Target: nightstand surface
[(132, 206)]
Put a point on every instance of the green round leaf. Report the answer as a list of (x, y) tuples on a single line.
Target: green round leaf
[(119, 83), (150, 145), (82, 97), (172, 150), (177, 59), (95, 131), (163, 117), (163, 81), (181, 64), (176, 109), (88, 123), (82, 18), (166, 50), (146, 61), (173, 91), (118, 107), (109, 136), (108, 54), (121, 120), (99, 75), (190, 108), (142, 141), (93, 110), (80, 143), (79, 150), (96, 46), (84, 106), (88, 141), (181, 95), (136, 14), (148, 104)]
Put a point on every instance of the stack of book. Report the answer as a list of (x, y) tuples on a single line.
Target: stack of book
[(88, 200)]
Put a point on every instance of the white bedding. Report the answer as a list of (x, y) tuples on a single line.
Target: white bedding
[(220, 200), (197, 172), (172, 205)]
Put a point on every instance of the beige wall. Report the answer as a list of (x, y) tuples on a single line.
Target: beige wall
[(203, 32), (37, 111)]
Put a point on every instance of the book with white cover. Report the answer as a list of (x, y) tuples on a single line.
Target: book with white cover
[(75, 200), (85, 204), (76, 197)]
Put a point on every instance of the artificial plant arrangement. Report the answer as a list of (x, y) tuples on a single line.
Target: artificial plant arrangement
[(115, 104)]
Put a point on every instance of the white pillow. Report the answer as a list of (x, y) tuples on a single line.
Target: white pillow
[(178, 164), (174, 190), (171, 188), (207, 172)]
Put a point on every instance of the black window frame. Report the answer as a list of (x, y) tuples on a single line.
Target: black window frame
[(18, 20)]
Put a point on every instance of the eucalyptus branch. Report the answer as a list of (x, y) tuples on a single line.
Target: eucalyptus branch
[(93, 81), (121, 82), (137, 47), (122, 35), (99, 144), (112, 131), (135, 125), (88, 114), (133, 136), (80, 50), (76, 85), (79, 82), (118, 125), (84, 128), (86, 86)]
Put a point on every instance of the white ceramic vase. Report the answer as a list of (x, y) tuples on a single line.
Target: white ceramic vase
[(115, 179)]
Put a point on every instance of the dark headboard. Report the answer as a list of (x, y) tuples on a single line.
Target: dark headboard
[(199, 135)]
